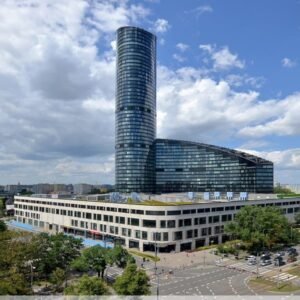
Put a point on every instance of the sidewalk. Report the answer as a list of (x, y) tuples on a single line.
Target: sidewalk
[(185, 259)]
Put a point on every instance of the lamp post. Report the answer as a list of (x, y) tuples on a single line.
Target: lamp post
[(155, 267)]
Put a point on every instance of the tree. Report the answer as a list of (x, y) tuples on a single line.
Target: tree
[(2, 205), (3, 226), (14, 283), (55, 251), (96, 258), (132, 282), (79, 264), (261, 227), (57, 278), (88, 286), (282, 190), (297, 218), (119, 256)]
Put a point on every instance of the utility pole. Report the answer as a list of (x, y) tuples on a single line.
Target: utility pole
[(257, 271), (155, 266)]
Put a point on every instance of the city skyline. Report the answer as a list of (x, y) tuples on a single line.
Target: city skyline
[(235, 73)]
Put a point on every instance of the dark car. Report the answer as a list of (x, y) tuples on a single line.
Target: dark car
[(291, 250), (279, 262), (265, 257)]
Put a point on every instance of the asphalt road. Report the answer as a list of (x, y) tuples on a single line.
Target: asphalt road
[(204, 280)]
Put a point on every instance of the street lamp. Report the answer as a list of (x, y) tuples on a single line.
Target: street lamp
[(155, 266)]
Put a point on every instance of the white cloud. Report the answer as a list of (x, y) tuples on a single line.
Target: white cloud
[(57, 88), (161, 26), (222, 59), (288, 63), (57, 92), (200, 10), (178, 57), (194, 106), (238, 80), (182, 47)]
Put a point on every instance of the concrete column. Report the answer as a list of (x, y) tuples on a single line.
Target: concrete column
[(177, 247), (220, 239), (193, 244), (141, 246), (207, 241)]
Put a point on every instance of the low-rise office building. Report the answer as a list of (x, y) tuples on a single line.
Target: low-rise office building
[(172, 227)]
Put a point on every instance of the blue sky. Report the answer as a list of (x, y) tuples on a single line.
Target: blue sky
[(227, 74)]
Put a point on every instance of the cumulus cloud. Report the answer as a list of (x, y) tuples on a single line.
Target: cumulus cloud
[(288, 63), (161, 26), (57, 88), (178, 57), (182, 47), (222, 59), (197, 107)]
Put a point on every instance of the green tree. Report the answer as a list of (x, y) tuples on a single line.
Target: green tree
[(96, 259), (282, 190), (87, 286), (55, 251), (3, 226), (14, 283), (132, 282), (58, 278), (297, 218), (261, 227), (119, 256), (2, 206), (79, 264)]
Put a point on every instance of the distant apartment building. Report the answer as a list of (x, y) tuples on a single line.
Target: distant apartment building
[(17, 188), (42, 188), (82, 188), (58, 187)]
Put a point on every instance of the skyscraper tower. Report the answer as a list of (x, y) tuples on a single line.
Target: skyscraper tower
[(135, 110)]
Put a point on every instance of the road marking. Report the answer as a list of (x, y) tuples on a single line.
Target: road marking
[(283, 277)]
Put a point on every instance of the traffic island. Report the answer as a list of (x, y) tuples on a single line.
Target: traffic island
[(263, 284)]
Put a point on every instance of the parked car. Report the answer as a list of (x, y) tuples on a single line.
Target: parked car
[(265, 257), (279, 262), (266, 262), (279, 254), (250, 257), (291, 250), (291, 258), (251, 262)]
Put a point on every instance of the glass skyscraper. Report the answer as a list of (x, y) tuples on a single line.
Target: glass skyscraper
[(149, 165), (135, 110)]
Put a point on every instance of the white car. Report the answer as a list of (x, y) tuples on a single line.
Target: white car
[(266, 262)]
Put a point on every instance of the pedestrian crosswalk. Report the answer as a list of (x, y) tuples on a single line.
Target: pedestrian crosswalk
[(243, 266), (283, 277)]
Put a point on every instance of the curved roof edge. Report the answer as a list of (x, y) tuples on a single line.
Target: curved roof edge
[(243, 155), (138, 28)]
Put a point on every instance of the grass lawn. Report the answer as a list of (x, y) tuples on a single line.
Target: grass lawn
[(294, 271), (272, 286), (141, 254)]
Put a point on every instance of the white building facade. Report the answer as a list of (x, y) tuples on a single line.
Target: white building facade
[(170, 227)]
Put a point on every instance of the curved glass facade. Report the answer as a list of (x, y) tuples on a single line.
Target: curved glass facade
[(135, 110), (186, 166)]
